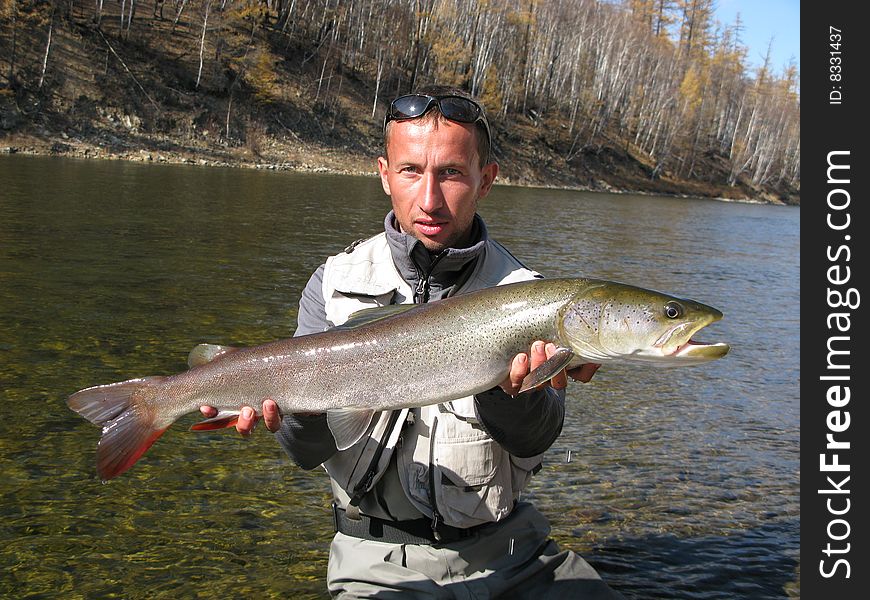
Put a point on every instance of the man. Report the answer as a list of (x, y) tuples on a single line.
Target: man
[(427, 504)]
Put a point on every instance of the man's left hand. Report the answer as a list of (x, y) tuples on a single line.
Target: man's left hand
[(248, 417)]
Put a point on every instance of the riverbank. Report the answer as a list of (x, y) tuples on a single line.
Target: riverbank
[(296, 155), (255, 97), (252, 89)]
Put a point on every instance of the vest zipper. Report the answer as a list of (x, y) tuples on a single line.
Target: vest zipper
[(421, 294)]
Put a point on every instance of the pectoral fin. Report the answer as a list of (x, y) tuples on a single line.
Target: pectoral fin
[(548, 369), (225, 418), (348, 425)]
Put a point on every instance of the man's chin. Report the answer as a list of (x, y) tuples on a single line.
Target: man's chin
[(435, 239), (433, 245)]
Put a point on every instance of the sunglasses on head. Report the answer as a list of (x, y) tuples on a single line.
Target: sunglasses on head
[(454, 108)]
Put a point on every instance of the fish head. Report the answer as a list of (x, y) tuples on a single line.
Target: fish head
[(612, 321)]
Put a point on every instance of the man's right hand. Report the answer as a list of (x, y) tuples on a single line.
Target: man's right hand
[(540, 351), (248, 418)]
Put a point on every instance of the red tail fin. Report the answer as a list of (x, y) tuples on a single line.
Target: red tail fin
[(128, 423)]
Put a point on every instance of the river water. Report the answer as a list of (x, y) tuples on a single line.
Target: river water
[(673, 483)]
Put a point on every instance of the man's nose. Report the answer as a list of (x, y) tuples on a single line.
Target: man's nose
[(432, 198)]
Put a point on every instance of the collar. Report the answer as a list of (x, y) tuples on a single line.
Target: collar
[(442, 273)]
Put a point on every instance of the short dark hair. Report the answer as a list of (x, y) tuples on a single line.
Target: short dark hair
[(484, 151)]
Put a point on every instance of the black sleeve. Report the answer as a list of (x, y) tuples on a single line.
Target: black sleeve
[(525, 425), (306, 438)]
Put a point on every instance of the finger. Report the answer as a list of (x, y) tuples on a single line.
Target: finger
[(585, 372), (514, 380), (560, 380), (271, 415), (537, 355), (247, 421), (208, 411)]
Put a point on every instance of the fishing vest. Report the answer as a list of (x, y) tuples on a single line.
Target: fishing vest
[(449, 468)]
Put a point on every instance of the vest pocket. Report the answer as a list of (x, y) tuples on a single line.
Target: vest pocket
[(522, 470), (473, 483)]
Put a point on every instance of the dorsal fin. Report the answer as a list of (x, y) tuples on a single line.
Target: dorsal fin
[(205, 353), (370, 315)]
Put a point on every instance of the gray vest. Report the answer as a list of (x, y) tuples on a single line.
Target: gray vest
[(447, 464)]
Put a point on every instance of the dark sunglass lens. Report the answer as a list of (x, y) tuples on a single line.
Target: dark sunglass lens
[(408, 107), (459, 109)]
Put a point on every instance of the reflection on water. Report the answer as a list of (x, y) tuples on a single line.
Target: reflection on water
[(680, 484)]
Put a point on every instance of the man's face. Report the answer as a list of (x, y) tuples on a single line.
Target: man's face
[(432, 174)]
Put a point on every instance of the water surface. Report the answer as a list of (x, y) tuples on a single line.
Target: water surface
[(680, 483)]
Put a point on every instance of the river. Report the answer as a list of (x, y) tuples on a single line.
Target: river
[(673, 483)]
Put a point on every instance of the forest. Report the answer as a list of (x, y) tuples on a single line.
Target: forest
[(641, 95)]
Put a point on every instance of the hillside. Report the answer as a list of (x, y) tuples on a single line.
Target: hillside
[(242, 92)]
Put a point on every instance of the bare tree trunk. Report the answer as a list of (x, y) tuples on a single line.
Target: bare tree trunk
[(178, 14), (323, 70), (47, 50), (131, 13), (378, 80), (418, 42), (202, 43), (524, 55), (229, 111)]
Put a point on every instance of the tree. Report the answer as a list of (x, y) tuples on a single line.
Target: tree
[(9, 14)]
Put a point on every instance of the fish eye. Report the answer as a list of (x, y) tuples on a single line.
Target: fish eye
[(673, 310)]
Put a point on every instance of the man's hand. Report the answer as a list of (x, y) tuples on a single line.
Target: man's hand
[(248, 419), (523, 364)]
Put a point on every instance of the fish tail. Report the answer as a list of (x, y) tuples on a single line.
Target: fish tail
[(129, 420)]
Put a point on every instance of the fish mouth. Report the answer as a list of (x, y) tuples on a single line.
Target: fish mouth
[(700, 351), (690, 350)]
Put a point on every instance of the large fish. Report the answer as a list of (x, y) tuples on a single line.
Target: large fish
[(403, 356)]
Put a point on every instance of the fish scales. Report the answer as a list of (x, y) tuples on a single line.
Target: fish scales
[(426, 354)]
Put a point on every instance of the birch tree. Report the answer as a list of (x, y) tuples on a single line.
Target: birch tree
[(205, 13)]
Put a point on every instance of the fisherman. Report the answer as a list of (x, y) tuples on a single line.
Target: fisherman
[(428, 503)]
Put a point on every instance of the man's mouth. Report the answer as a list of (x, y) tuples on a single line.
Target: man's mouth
[(429, 228)]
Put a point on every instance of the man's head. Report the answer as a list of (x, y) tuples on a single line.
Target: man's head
[(435, 167), (441, 102)]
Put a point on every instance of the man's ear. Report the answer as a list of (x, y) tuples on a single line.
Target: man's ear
[(383, 169), (488, 175)]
